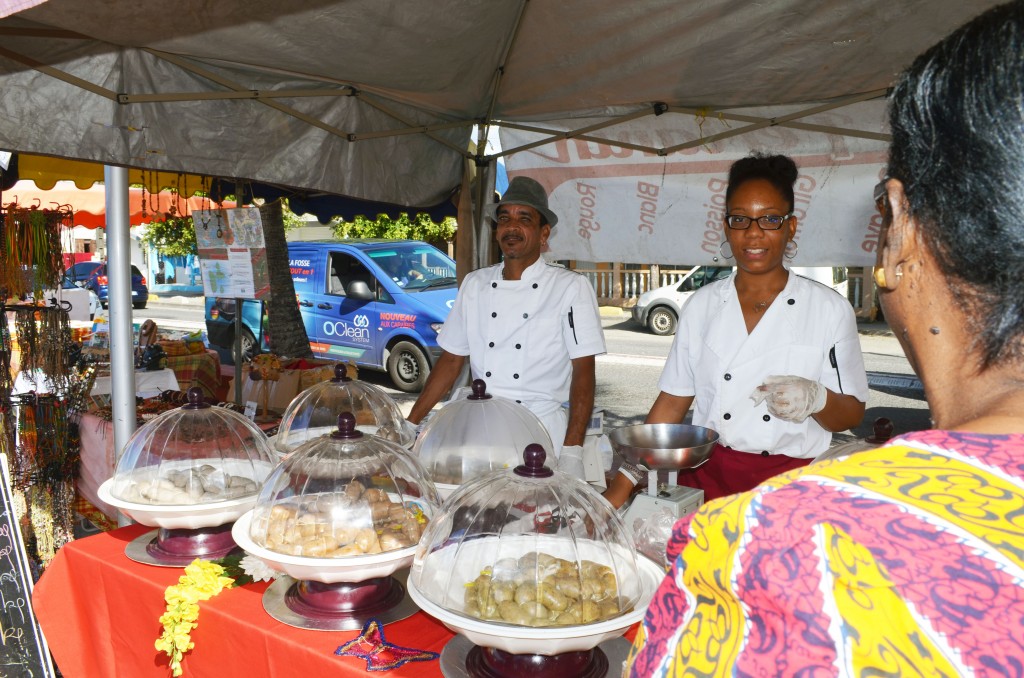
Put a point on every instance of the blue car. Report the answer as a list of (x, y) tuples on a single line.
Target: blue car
[(92, 275), (376, 303)]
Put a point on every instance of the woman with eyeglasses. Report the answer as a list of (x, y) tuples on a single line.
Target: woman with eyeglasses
[(768, 359), (907, 559)]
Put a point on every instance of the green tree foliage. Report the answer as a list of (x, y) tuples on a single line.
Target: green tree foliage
[(173, 237), (176, 236), (419, 227)]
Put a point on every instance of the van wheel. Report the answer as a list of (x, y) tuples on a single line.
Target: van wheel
[(249, 348), (408, 367), (662, 322)]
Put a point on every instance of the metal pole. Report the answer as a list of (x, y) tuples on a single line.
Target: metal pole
[(119, 280), (237, 350)]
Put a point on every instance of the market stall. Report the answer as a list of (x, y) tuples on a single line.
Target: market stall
[(93, 632)]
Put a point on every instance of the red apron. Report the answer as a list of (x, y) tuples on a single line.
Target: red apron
[(729, 471)]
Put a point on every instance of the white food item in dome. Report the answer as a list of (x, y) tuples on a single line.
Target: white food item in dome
[(190, 486)]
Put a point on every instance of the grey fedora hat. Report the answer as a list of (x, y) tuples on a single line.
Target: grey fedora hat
[(524, 191)]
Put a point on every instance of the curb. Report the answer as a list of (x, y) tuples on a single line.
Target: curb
[(177, 300), (613, 312)]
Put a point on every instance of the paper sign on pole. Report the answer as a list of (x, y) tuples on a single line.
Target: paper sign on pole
[(232, 252)]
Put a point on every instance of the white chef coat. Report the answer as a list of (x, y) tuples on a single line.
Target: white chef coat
[(809, 331), (521, 335)]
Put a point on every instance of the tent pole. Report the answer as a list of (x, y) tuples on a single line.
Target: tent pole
[(122, 343), (485, 189), (465, 243)]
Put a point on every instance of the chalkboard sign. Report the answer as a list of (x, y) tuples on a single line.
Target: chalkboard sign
[(23, 651)]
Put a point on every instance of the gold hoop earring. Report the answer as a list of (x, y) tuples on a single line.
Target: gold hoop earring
[(880, 279)]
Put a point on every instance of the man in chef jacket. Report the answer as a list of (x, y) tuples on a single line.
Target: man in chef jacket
[(530, 329)]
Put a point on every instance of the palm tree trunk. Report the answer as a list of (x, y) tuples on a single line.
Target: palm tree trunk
[(287, 333)]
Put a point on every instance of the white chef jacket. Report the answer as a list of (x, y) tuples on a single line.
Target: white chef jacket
[(521, 335), (809, 331)]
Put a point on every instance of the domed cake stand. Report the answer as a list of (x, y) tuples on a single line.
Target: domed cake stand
[(489, 649), (333, 594), (185, 532), (483, 649)]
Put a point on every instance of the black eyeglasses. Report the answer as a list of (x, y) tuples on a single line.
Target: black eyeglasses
[(880, 193), (768, 222)]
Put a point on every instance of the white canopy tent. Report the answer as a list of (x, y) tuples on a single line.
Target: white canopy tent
[(377, 99)]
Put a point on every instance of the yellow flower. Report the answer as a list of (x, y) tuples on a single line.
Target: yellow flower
[(202, 580)]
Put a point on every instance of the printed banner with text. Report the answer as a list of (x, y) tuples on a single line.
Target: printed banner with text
[(617, 204)]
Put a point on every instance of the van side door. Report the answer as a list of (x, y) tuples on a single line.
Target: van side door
[(346, 313)]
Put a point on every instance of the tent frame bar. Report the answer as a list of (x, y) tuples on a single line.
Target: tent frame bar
[(757, 123), (249, 94)]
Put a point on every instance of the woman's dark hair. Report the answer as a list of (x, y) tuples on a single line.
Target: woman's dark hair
[(779, 170), (957, 119)]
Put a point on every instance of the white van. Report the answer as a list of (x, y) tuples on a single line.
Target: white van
[(658, 309)]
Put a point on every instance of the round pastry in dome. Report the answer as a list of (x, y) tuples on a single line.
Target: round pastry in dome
[(529, 547), (314, 412), (475, 435), (344, 494), (195, 454)]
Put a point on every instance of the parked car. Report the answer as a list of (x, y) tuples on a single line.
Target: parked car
[(220, 326), (94, 301), (658, 309), (377, 303), (93, 275)]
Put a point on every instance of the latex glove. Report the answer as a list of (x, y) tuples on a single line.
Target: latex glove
[(423, 422), (410, 429), (570, 461), (790, 397), (634, 472)]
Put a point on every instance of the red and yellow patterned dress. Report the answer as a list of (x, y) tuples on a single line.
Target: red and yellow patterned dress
[(903, 560)]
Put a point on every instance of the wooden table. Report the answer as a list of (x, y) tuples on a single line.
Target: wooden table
[(99, 612)]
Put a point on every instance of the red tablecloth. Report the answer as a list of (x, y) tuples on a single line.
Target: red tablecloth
[(99, 612)]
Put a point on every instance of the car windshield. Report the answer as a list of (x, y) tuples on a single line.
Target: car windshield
[(82, 270), (416, 267)]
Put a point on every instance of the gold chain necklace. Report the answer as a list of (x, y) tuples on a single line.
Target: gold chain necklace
[(762, 306)]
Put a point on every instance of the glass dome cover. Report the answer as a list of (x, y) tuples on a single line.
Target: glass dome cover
[(344, 494), (195, 454), (528, 547), (477, 434), (314, 412)]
